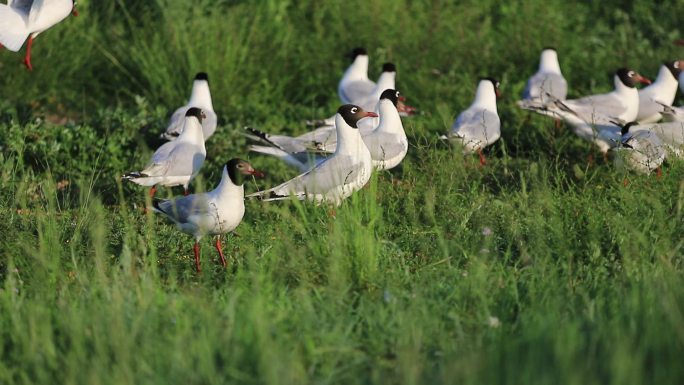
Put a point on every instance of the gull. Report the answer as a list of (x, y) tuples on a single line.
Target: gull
[(200, 97), (640, 150), (347, 170), (178, 162), (661, 92), (355, 84), (387, 141), (215, 212), (547, 80), (479, 125), (22, 19), (592, 117)]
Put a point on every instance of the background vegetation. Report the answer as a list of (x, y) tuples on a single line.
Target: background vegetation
[(541, 267)]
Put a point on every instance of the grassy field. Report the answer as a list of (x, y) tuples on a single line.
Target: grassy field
[(539, 268)]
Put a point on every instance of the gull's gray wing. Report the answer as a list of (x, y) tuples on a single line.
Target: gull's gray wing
[(175, 159)]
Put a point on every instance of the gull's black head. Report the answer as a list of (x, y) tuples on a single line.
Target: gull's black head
[(202, 76), (390, 94), (196, 112), (389, 67), (356, 52), (675, 66), (630, 78), (238, 169), (352, 114)]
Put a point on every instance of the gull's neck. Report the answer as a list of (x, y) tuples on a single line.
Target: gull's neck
[(192, 131), (386, 81), (665, 81), (228, 189), (390, 121), (201, 96), (549, 62), (348, 138), (358, 70), (485, 96)]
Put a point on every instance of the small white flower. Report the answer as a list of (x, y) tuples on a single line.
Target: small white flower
[(486, 231), (493, 322)]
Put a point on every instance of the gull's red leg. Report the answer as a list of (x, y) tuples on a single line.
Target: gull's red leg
[(27, 58), (186, 192), (196, 250), (483, 161), (220, 251), (152, 191), (659, 173)]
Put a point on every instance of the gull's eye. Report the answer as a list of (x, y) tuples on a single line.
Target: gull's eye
[(676, 64), (354, 110), (630, 74), (498, 84), (397, 95)]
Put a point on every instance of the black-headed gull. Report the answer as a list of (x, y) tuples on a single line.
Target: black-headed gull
[(386, 142), (178, 162), (547, 80), (341, 174), (479, 125), (215, 212), (22, 19), (661, 92), (200, 97), (622, 103), (355, 84), (639, 150)]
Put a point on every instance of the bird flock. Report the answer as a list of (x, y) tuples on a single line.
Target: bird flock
[(338, 156)]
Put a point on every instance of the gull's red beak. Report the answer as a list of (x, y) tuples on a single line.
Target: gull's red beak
[(402, 98), (74, 12), (498, 93), (643, 80), (256, 173), (371, 114)]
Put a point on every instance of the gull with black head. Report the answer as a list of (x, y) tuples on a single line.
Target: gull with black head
[(347, 170), (212, 213)]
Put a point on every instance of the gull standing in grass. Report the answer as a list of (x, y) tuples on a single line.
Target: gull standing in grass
[(22, 19), (547, 80), (215, 212), (387, 142), (178, 162), (200, 97), (640, 150), (344, 172), (661, 92), (479, 125)]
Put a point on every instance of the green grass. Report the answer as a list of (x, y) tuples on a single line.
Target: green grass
[(540, 268)]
